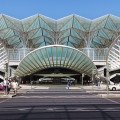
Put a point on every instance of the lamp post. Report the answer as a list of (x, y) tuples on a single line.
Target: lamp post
[(31, 80), (93, 72), (82, 79), (107, 79), (6, 77)]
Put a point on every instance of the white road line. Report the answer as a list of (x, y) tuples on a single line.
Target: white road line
[(83, 109), (70, 96), (71, 92), (112, 100), (3, 101), (24, 109), (63, 109)]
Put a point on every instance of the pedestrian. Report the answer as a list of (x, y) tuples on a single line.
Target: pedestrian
[(5, 85), (68, 84), (15, 86)]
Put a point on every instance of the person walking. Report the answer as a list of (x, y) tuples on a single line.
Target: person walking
[(15, 86), (5, 85), (68, 84)]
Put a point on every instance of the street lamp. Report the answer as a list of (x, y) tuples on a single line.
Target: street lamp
[(108, 68), (6, 77), (93, 72), (82, 79)]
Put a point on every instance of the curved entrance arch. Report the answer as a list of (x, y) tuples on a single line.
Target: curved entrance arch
[(55, 56)]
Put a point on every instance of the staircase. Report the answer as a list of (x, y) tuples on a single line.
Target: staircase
[(3, 59), (101, 75)]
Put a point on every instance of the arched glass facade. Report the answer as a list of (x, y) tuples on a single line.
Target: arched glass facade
[(55, 56)]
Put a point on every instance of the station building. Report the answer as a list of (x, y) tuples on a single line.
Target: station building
[(41, 47)]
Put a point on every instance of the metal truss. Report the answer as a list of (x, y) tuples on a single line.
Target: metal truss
[(55, 56), (75, 31), (39, 31), (10, 30)]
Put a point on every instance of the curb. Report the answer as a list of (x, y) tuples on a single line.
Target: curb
[(7, 96), (109, 95), (101, 91)]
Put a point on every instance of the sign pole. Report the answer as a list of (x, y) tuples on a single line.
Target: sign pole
[(107, 79), (6, 77), (93, 72), (82, 79), (92, 80)]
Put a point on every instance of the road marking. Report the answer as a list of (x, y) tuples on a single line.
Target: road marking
[(70, 96), (83, 109), (3, 101), (24, 109), (112, 100), (57, 109), (65, 92)]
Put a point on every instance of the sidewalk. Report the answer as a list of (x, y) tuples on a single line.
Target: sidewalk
[(35, 87), (100, 91), (94, 87), (28, 87), (24, 88), (7, 96)]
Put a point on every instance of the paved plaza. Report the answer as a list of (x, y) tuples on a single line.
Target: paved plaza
[(59, 103)]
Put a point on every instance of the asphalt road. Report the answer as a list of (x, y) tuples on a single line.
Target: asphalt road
[(59, 104)]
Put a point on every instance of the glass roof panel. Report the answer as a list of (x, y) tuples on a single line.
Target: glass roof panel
[(27, 22), (78, 25), (34, 25), (2, 23)]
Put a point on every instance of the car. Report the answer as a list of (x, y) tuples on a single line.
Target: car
[(45, 79), (1, 87), (114, 87), (69, 79)]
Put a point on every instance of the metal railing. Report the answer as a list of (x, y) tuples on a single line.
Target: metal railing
[(95, 54)]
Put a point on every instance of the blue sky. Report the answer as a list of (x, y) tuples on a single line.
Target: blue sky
[(57, 9)]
